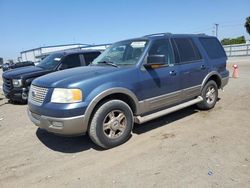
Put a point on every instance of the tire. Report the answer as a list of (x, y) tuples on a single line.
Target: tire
[(209, 94), (111, 124)]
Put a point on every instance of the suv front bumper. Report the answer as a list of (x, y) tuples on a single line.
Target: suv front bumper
[(62, 126), (16, 94)]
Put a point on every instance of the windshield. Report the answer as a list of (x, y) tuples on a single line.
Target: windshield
[(50, 62), (122, 53)]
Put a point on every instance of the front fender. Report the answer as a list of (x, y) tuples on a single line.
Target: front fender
[(103, 91)]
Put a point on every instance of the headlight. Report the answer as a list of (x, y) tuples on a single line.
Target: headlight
[(61, 95), (17, 82)]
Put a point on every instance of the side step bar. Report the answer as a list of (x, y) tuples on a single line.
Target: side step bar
[(140, 120)]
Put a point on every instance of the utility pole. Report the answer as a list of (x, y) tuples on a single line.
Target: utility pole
[(216, 29)]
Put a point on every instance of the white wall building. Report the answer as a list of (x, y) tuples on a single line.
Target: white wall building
[(37, 54)]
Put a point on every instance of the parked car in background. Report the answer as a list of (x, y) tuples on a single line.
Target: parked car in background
[(5, 66), (8, 66), (134, 80), (16, 82)]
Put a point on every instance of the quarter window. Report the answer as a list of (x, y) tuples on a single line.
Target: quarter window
[(213, 48), (186, 49)]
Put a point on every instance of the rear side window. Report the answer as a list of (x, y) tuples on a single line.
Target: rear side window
[(186, 50), (71, 61), (90, 56), (213, 48)]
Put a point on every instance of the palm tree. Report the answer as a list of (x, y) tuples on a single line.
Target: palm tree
[(247, 25)]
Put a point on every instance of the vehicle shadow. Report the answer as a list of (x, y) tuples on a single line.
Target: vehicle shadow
[(66, 144), (83, 143), (164, 120)]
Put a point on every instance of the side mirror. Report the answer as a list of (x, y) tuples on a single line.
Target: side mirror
[(155, 61)]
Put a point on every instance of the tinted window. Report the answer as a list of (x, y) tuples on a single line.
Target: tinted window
[(213, 48), (71, 61), (162, 47), (89, 57), (187, 50)]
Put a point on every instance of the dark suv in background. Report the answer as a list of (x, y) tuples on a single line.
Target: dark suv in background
[(16, 82), (8, 66)]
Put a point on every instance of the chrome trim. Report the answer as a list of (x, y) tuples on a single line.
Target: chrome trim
[(191, 92), (37, 94), (165, 100)]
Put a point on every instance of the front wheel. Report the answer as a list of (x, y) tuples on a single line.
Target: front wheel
[(210, 96), (111, 124)]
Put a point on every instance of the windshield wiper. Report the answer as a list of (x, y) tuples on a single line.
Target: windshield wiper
[(108, 63)]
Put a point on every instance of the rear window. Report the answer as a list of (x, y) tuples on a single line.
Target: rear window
[(213, 48), (187, 50)]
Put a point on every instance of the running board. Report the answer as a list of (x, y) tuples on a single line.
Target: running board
[(140, 120)]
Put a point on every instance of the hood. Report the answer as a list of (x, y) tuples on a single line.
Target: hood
[(25, 72), (69, 77)]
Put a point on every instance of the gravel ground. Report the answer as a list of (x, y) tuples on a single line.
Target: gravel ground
[(189, 148)]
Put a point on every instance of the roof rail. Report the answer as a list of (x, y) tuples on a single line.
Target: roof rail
[(158, 34), (201, 34)]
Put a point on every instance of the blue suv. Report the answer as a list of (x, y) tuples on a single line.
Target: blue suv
[(133, 81)]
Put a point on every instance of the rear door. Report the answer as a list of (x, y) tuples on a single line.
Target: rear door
[(192, 67)]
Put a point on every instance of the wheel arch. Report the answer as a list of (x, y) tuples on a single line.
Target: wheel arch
[(215, 76), (123, 94)]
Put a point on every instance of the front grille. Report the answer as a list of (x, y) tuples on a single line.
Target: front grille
[(37, 94), (7, 83)]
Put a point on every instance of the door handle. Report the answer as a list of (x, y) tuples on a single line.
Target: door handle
[(172, 73), (203, 67)]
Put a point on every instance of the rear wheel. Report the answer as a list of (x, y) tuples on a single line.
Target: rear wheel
[(210, 96), (111, 124)]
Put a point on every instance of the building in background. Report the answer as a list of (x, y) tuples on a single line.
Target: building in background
[(37, 54)]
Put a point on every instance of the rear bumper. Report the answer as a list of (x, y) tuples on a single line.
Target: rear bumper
[(224, 81), (62, 126)]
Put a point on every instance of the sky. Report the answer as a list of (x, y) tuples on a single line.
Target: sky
[(27, 24)]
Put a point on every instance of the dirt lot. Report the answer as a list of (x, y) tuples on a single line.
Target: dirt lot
[(188, 148)]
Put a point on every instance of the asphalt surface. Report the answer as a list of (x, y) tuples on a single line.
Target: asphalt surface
[(188, 148)]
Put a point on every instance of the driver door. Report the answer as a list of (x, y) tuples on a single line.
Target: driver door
[(160, 87)]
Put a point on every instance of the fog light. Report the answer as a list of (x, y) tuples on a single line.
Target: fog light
[(57, 125)]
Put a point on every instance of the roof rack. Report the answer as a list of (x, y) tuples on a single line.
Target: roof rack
[(158, 34)]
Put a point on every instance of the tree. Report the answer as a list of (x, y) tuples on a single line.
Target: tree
[(247, 25), (1, 60), (238, 40)]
